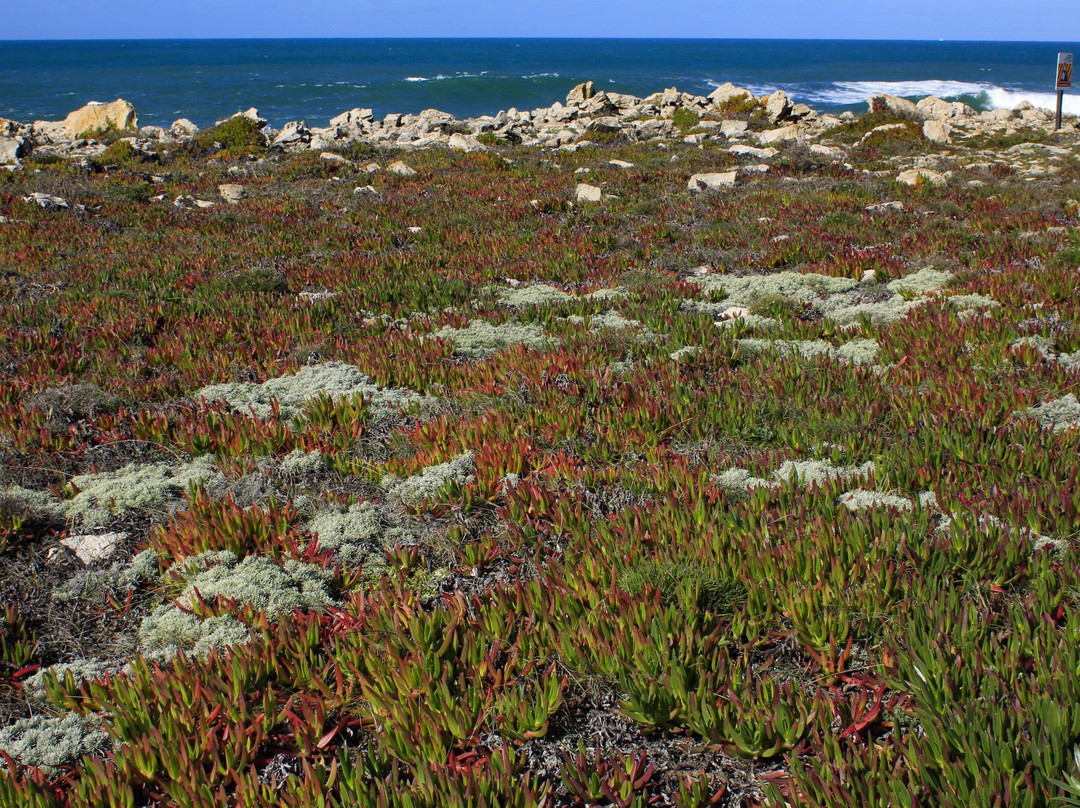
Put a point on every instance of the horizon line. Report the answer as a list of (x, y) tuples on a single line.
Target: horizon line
[(537, 38)]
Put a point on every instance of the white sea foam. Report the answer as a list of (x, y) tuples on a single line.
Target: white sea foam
[(852, 93), (441, 77), (856, 92)]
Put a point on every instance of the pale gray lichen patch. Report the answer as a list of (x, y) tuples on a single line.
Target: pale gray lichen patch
[(425, 485), (333, 379), (973, 301), (924, 282), (614, 321), (256, 581), (748, 290), (357, 535), (168, 630), (301, 463), (1049, 352), (1059, 414), (102, 497), (841, 299), (859, 351), (541, 294), (861, 499), (806, 472), (686, 352), (50, 742), (480, 338)]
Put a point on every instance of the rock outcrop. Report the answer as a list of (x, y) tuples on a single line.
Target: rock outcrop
[(95, 118)]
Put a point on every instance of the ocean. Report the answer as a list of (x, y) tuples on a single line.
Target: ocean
[(315, 79)]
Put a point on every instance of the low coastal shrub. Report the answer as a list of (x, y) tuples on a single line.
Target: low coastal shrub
[(238, 135)]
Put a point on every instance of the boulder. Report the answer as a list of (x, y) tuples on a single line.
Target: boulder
[(97, 117), (580, 94), (700, 183), (728, 92), (781, 135), (12, 148), (886, 207), (46, 201), (334, 158), (830, 152), (182, 127), (939, 109), (231, 192), (295, 133), (777, 106), (937, 131), (251, 114), (733, 129), (587, 193), (465, 143), (750, 151), (897, 106), (355, 118), (914, 176), (399, 168), (367, 192)]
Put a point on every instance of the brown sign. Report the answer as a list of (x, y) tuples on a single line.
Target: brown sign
[(1064, 71)]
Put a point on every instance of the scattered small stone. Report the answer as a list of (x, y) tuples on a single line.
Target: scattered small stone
[(715, 181), (886, 207), (620, 164), (588, 193), (92, 548), (231, 193), (47, 201), (914, 176)]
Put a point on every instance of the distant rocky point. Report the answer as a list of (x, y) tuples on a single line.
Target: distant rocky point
[(587, 113)]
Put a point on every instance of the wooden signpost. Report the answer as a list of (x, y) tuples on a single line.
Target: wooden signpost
[(1064, 82)]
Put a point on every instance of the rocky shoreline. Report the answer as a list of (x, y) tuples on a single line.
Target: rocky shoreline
[(752, 125)]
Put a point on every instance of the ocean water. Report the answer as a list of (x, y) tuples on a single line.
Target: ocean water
[(313, 80)]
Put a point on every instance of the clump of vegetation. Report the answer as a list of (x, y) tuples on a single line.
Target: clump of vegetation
[(51, 742), (238, 135), (707, 589), (481, 338), (685, 119)]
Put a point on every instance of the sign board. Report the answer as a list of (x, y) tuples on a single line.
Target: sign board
[(1064, 71)]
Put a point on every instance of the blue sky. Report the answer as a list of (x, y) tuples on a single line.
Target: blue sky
[(1047, 20)]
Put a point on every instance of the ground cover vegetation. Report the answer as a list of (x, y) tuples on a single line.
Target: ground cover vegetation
[(462, 493)]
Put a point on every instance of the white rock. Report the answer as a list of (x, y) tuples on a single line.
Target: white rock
[(937, 131), (886, 207), (915, 175), (830, 152), (93, 548), (727, 92), (781, 135), (367, 192), (588, 193), (203, 203), (11, 149), (232, 193), (371, 168), (333, 157), (182, 127), (733, 128), (712, 181), (399, 168), (751, 151), (620, 164), (95, 117), (777, 106), (580, 94), (465, 143), (46, 201), (890, 103)]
